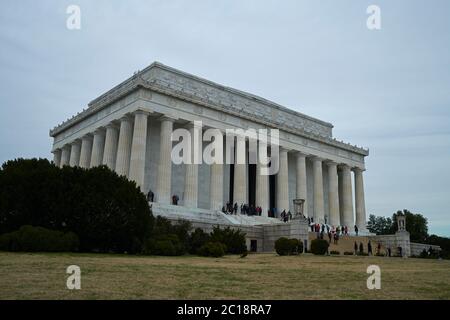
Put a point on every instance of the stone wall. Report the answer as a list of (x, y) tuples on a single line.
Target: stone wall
[(417, 248), (393, 241)]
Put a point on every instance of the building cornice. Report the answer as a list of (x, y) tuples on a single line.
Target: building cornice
[(137, 81)]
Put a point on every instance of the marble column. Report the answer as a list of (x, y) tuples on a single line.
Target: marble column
[(86, 150), (65, 156), (360, 205), (138, 146), (301, 189), (319, 215), (124, 146), (333, 194), (191, 172), (110, 151), (240, 185), (216, 186), (262, 197), (98, 145), (282, 184), (341, 195), (163, 186), (75, 153), (347, 198), (57, 157)]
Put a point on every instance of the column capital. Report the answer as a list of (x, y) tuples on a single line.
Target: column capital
[(99, 130), (76, 141), (358, 169), (168, 118), (111, 125), (301, 154), (142, 111), (125, 117), (87, 136), (331, 163), (283, 149), (344, 166), (316, 158)]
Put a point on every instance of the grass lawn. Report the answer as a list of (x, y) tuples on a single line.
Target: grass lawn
[(258, 276)]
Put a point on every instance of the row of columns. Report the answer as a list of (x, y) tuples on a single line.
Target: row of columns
[(123, 149)]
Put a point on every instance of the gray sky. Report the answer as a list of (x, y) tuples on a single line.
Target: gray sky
[(388, 90)]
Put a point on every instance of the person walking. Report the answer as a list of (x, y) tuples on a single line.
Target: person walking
[(150, 196), (356, 230)]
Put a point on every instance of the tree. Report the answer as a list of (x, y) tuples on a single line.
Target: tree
[(379, 225), (416, 225), (107, 212)]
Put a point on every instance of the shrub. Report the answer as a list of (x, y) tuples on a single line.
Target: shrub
[(212, 249), (285, 246), (234, 240), (32, 239), (319, 246), (164, 245), (334, 252), (348, 253), (197, 239), (108, 213)]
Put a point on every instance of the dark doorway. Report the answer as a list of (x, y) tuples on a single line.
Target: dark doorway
[(252, 184), (231, 183), (253, 245), (272, 194)]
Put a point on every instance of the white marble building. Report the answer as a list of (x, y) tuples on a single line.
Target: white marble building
[(128, 129)]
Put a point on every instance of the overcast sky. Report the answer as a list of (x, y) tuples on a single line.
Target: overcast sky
[(388, 89)]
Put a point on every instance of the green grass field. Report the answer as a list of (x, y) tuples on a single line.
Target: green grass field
[(258, 276)]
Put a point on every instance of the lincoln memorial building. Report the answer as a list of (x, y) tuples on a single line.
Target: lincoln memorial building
[(129, 130)]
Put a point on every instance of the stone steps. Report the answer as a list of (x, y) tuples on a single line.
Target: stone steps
[(209, 216)]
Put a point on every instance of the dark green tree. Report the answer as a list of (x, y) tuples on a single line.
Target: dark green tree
[(107, 212), (379, 225), (416, 225)]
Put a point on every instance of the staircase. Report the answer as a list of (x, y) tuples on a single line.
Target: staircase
[(210, 216)]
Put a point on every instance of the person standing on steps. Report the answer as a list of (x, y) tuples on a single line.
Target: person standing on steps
[(356, 230)]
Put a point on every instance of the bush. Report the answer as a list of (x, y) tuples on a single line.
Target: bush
[(165, 245), (285, 246), (212, 249), (107, 212), (33, 239), (319, 246), (348, 253), (334, 252), (196, 240), (234, 240)]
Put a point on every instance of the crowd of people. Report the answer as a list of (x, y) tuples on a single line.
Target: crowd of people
[(244, 208), (333, 232)]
